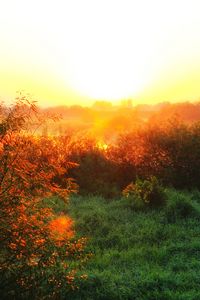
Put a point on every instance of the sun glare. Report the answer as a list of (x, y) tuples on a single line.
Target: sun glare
[(102, 146), (75, 52), (112, 74), (115, 58)]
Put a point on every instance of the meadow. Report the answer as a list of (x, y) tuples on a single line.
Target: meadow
[(138, 253), (111, 215)]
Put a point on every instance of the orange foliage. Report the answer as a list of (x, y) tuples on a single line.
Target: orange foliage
[(61, 228), (29, 234)]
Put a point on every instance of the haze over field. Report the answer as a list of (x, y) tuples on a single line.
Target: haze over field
[(76, 52)]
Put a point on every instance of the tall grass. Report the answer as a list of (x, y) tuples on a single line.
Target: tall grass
[(140, 254)]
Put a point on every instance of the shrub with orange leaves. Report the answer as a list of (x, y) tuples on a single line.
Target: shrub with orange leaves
[(35, 257)]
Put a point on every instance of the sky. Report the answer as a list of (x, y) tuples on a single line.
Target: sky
[(79, 51)]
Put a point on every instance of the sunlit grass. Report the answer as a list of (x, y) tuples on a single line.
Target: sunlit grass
[(139, 254)]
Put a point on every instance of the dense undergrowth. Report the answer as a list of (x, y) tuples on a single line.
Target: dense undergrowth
[(139, 253), (143, 233)]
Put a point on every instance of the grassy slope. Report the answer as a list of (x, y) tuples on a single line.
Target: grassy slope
[(139, 254)]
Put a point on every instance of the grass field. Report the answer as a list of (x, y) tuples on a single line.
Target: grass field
[(139, 253)]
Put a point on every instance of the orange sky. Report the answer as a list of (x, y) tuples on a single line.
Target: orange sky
[(76, 52)]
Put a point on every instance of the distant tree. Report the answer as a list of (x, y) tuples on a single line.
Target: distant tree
[(102, 105)]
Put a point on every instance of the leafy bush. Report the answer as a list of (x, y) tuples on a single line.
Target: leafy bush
[(36, 260), (95, 174), (195, 195), (180, 206), (149, 192)]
